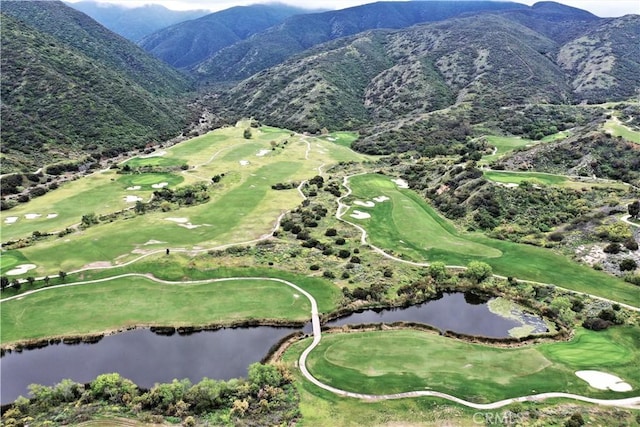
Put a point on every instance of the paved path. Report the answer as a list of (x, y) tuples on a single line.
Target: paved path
[(626, 219), (632, 402)]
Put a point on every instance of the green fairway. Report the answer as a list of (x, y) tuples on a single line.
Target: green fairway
[(507, 144), (129, 301), (243, 206), (407, 225), (384, 362), (615, 128), (519, 177)]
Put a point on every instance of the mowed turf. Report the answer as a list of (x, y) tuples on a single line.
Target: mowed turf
[(400, 228), (243, 206), (615, 128), (139, 301), (393, 361), (100, 193), (520, 177), (508, 144)]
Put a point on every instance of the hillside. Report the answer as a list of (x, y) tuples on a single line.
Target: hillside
[(185, 44), (386, 75), (386, 78), (71, 87), (134, 23), (302, 32)]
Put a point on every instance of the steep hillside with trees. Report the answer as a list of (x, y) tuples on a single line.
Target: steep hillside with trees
[(71, 87), (302, 32), (188, 43)]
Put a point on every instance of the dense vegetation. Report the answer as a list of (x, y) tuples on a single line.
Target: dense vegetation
[(75, 88), (186, 44), (267, 395)]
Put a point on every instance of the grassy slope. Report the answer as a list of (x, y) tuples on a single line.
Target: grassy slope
[(402, 360), (387, 227)]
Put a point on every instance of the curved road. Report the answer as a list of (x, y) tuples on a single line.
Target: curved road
[(631, 403)]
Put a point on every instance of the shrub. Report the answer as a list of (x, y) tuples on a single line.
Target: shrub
[(612, 248), (631, 244), (314, 267), (628, 264), (344, 253), (331, 232)]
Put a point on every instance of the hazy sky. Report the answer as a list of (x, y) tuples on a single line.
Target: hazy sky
[(602, 8)]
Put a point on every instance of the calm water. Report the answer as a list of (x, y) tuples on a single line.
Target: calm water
[(458, 312), (141, 356), (147, 358)]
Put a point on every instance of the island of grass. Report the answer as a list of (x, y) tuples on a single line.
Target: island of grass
[(394, 361), (405, 225)]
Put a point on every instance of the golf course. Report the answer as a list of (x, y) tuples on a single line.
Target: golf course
[(191, 265), (405, 225)]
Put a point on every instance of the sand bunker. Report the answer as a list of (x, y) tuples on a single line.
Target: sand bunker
[(132, 199), (401, 183), (178, 220), (135, 187), (380, 199), (360, 215), (263, 152), (51, 215), (603, 381), (32, 216), (153, 242), (21, 269), (364, 204), (189, 225), (244, 162), (160, 185), (10, 219), (154, 154)]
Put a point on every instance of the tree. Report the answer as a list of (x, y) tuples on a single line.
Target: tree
[(140, 207), (4, 282), (479, 271), (46, 280), (628, 264), (15, 284), (62, 275), (31, 279), (247, 133), (438, 271), (89, 219), (634, 209)]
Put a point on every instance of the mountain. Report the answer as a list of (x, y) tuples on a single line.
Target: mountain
[(488, 61), (302, 32), (134, 23), (72, 87), (186, 44), (603, 63)]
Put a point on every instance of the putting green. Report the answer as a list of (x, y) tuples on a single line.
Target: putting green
[(157, 161), (149, 179), (8, 260), (406, 225), (394, 361)]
